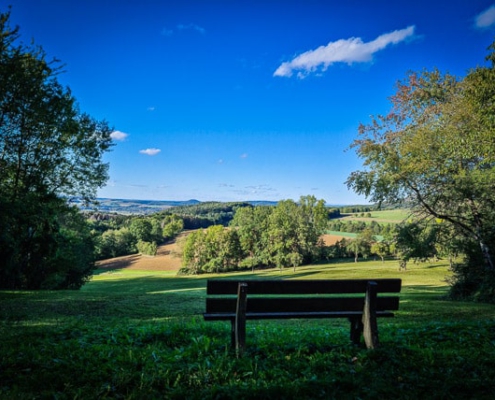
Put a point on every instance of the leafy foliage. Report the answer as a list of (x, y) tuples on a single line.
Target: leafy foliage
[(49, 152), (436, 150), (287, 235)]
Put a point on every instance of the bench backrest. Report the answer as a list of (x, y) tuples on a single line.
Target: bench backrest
[(288, 295)]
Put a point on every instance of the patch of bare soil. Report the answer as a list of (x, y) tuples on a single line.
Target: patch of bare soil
[(166, 259), (330, 240)]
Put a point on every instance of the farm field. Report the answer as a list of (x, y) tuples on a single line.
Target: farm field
[(383, 217), (135, 333)]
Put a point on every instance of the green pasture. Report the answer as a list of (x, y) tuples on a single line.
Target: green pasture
[(349, 235), (382, 216), (136, 334)]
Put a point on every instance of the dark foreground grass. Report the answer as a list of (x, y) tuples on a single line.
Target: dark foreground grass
[(129, 335)]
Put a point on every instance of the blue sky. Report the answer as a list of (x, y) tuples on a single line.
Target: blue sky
[(245, 100)]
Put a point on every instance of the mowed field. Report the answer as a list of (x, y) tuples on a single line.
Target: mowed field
[(167, 258)]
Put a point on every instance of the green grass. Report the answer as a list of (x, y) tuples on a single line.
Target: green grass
[(135, 335), (349, 235), (385, 216)]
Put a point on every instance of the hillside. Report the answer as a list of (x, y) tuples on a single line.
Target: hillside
[(167, 258)]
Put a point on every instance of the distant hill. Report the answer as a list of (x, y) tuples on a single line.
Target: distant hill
[(139, 207), (125, 206)]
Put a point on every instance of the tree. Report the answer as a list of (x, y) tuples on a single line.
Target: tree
[(284, 243), (362, 244), (381, 249), (172, 225), (436, 149), (142, 229), (49, 153), (214, 249), (415, 240), (251, 224)]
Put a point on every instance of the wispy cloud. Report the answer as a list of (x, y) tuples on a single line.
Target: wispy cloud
[(167, 32), (344, 50), (118, 135), (150, 152), (485, 19), (183, 27), (194, 27), (259, 189), (243, 156)]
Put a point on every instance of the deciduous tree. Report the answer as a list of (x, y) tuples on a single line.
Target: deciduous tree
[(49, 153), (436, 149)]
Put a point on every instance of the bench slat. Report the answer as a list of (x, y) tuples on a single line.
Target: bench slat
[(294, 315), (306, 286), (301, 304)]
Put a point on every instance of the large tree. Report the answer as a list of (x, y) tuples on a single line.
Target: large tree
[(49, 153), (436, 150)]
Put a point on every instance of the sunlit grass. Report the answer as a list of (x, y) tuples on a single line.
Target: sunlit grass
[(382, 216)]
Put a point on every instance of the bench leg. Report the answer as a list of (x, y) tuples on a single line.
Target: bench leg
[(232, 332), (370, 326), (240, 319), (356, 329)]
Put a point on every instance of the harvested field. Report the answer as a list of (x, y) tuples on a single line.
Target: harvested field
[(330, 240), (166, 259)]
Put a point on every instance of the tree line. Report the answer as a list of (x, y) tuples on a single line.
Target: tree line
[(115, 235), (285, 235)]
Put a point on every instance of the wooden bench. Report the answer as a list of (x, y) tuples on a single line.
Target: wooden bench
[(357, 300)]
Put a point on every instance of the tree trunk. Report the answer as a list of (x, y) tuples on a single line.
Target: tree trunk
[(485, 250)]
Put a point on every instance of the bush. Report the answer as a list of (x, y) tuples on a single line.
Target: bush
[(147, 248)]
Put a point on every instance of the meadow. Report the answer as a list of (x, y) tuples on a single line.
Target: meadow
[(392, 216), (137, 334)]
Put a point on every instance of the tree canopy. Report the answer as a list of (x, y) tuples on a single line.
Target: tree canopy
[(286, 235), (436, 150), (49, 153)]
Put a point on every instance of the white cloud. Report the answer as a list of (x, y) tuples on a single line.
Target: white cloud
[(344, 50), (150, 152), (486, 18), (118, 135), (244, 155)]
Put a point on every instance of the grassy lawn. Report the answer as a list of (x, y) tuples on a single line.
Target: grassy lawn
[(137, 334)]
